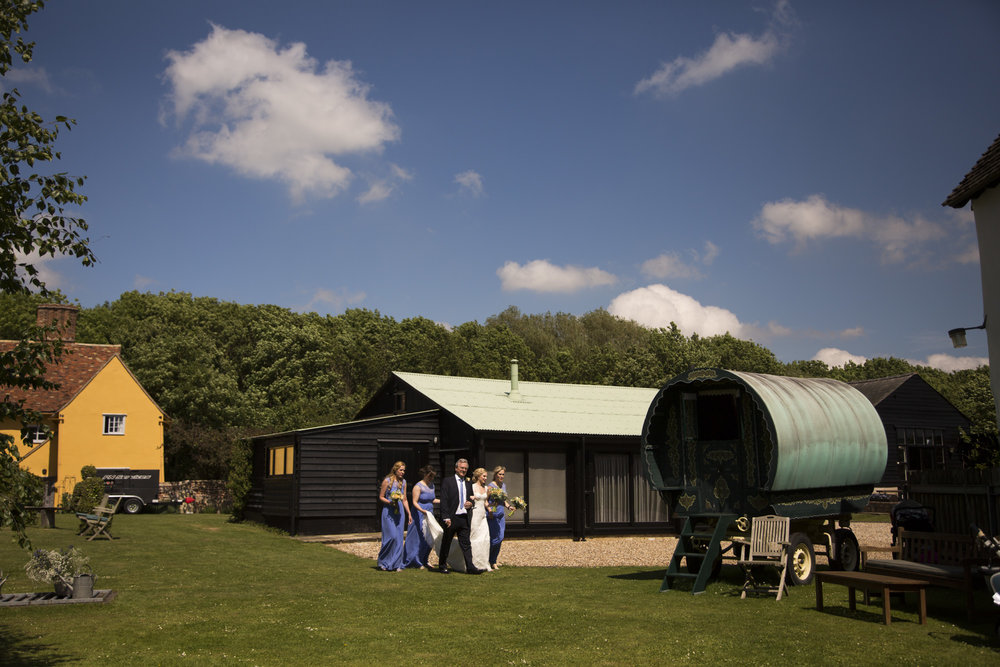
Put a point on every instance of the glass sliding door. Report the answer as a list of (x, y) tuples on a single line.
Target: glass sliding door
[(514, 477), (546, 487), (611, 496)]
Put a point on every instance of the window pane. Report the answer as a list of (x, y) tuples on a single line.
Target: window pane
[(547, 487), (514, 478), (289, 469), (611, 472)]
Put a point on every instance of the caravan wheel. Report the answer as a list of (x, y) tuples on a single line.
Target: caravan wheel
[(801, 560)]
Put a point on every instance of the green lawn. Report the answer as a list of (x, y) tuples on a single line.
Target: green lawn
[(198, 590)]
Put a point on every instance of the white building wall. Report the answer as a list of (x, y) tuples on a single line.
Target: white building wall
[(987, 211)]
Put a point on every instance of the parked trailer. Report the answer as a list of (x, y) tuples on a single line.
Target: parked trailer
[(723, 446), (135, 488)]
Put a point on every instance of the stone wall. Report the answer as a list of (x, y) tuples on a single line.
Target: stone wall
[(210, 494)]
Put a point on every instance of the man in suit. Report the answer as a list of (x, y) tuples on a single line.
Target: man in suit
[(456, 506)]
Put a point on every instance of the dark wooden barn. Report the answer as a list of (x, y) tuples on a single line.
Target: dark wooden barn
[(571, 451), (921, 426)]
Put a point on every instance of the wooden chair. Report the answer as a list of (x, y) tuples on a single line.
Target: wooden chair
[(768, 547), (98, 523)]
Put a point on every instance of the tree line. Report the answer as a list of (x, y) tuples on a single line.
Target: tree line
[(222, 371)]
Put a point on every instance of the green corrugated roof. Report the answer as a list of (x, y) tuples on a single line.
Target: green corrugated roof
[(540, 407)]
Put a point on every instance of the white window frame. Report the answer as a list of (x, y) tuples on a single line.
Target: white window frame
[(114, 419), (41, 434)]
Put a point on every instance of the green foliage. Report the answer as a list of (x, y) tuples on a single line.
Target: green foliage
[(33, 218), (224, 371), (87, 494), (240, 471), (34, 224)]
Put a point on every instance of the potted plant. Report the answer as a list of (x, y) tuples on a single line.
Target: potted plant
[(68, 570)]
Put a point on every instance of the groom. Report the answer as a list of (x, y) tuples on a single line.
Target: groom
[(455, 509)]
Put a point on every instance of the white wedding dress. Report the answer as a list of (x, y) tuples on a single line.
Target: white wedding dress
[(479, 536)]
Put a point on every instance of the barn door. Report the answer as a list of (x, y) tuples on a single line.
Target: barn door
[(413, 454)]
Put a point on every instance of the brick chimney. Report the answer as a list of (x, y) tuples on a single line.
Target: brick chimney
[(63, 316)]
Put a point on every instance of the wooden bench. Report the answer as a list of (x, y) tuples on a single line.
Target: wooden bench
[(872, 583), (946, 560)]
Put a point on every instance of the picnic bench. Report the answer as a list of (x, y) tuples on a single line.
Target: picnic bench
[(946, 560), (872, 583)]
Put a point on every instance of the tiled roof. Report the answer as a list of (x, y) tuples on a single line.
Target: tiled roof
[(79, 363), (539, 407), (984, 175)]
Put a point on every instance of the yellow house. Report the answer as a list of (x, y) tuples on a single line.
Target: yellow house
[(100, 415)]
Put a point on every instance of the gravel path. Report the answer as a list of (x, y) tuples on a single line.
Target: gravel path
[(605, 551)]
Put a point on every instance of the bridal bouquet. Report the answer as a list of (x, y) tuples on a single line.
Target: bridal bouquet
[(518, 504), (496, 497), (394, 499)]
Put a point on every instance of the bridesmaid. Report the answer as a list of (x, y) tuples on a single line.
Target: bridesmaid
[(417, 547), (497, 518), (390, 556)]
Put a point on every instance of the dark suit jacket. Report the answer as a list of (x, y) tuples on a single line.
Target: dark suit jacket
[(450, 494)]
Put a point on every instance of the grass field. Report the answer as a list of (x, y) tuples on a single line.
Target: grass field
[(194, 589)]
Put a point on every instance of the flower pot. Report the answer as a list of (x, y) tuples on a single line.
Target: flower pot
[(83, 586)]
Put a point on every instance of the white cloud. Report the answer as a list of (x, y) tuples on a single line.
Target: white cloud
[(273, 113), (542, 276), (968, 256), (832, 356), (949, 363), (382, 188), (816, 218), (710, 253), (730, 51), (470, 182), (43, 265), (35, 76), (658, 305), (670, 264), (854, 332), (332, 299), (141, 282)]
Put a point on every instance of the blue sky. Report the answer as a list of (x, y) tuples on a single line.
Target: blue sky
[(773, 169)]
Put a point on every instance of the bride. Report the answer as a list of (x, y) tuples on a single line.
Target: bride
[(479, 530)]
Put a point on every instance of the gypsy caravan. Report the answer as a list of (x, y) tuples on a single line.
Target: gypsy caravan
[(722, 447)]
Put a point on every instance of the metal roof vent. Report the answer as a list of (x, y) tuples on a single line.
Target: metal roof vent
[(513, 394)]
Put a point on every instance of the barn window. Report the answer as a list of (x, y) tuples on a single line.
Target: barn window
[(399, 401), (281, 460), (114, 424)]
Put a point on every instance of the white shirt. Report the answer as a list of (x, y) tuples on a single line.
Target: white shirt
[(461, 495)]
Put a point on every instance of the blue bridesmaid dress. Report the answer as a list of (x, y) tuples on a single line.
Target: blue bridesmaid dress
[(390, 556), (497, 520), (417, 547)]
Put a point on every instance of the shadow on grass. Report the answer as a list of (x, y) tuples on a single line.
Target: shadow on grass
[(648, 575), (20, 650)]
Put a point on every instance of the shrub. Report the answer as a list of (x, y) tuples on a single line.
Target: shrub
[(87, 493)]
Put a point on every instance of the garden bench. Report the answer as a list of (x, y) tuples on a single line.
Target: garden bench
[(946, 560), (98, 524)]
